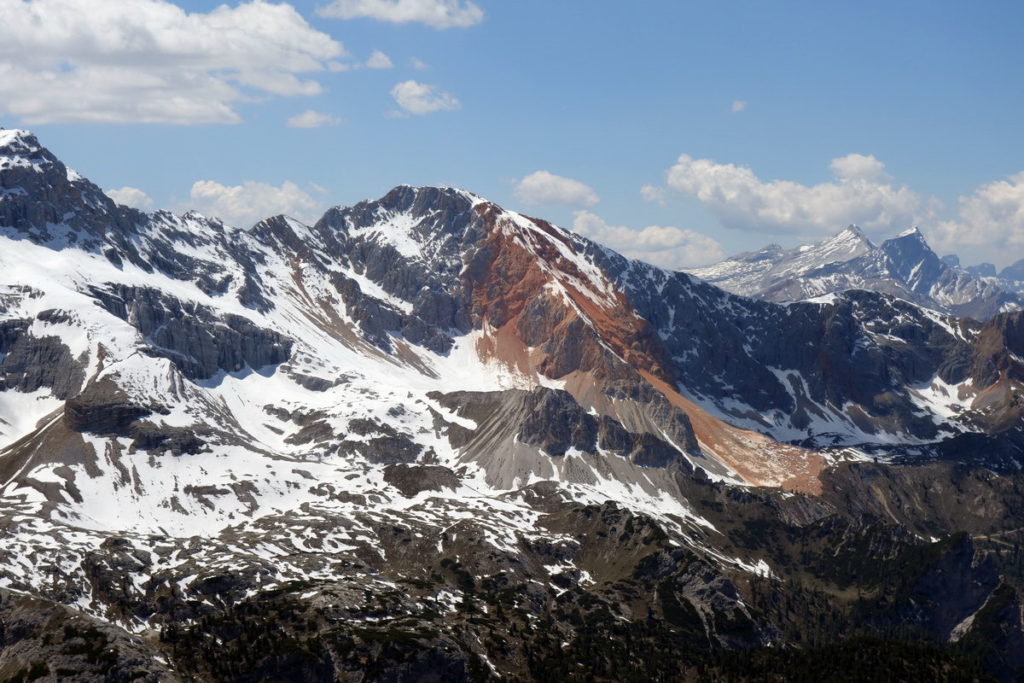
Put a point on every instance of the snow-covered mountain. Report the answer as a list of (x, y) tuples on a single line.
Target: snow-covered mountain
[(425, 407), (904, 266)]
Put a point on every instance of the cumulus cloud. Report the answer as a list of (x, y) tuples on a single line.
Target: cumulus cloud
[(991, 216), (313, 119), (738, 106), (541, 187), (131, 196), (149, 61), (859, 167), (653, 193), (378, 60), (439, 14), (418, 64), (244, 205), (663, 246), (420, 98), (860, 193)]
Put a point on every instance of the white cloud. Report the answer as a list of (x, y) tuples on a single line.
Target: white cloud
[(738, 106), (859, 167), (860, 193), (667, 247), (992, 216), (653, 193), (420, 98), (313, 119), (378, 60), (418, 64), (541, 187), (244, 205), (149, 61), (131, 196), (436, 13)]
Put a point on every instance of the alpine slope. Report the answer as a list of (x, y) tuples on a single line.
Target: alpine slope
[(430, 388)]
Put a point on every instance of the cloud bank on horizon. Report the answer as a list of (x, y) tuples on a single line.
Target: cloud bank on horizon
[(664, 246), (860, 193)]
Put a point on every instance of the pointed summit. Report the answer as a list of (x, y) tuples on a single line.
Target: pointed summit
[(851, 235), (44, 200), (911, 233), (847, 244), (910, 253), (910, 243), (853, 231), (10, 137), (21, 149)]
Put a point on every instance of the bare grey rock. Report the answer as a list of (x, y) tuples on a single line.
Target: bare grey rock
[(414, 479)]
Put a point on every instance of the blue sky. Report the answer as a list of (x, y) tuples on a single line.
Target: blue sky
[(767, 100)]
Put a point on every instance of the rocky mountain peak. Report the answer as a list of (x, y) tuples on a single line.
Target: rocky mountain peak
[(43, 199), (850, 242), (909, 242), (851, 233), (415, 221), (912, 259), (17, 142), (20, 150), (22, 154), (420, 201), (1014, 271), (912, 232)]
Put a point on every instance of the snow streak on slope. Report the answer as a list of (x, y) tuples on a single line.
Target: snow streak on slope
[(750, 272)]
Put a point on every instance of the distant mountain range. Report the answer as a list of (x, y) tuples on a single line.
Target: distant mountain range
[(904, 266), (1010, 278)]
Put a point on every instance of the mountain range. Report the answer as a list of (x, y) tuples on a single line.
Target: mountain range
[(428, 438), (904, 267), (1010, 278)]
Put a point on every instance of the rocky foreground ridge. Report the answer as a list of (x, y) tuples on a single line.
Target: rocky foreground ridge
[(427, 436)]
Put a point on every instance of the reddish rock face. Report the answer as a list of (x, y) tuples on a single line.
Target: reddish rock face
[(532, 296), (520, 278)]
